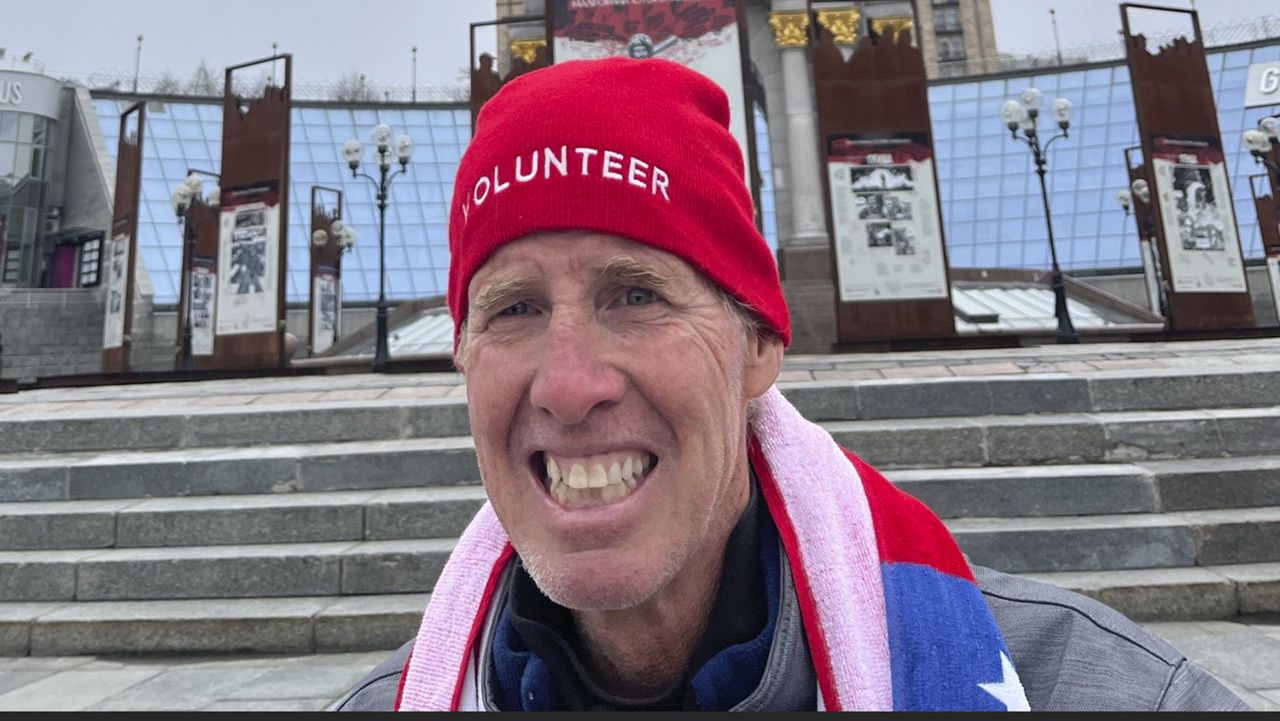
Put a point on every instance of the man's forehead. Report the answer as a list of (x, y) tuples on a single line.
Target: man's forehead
[(582, 254)]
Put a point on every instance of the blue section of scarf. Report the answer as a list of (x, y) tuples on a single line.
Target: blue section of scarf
[(523, 681)]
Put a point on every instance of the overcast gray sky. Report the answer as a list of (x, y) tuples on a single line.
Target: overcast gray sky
[(331, 38), (1024, 25)]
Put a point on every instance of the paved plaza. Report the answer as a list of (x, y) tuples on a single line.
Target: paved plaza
[(1087, 359)]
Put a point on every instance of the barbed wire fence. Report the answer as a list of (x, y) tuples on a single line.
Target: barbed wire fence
[(204, 83), (355, 87), (1265, 27)]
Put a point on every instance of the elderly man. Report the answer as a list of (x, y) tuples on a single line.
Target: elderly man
[(664, 531)]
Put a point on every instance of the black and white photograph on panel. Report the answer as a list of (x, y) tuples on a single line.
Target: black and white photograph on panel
[(881, 177), (1200, 222), (885, 217), (1202, 242), (879, 235), (904, 241)]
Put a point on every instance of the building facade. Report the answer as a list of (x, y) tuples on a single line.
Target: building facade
[(992, 212), (49, 211)]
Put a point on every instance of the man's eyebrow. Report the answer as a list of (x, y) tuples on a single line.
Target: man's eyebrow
[(500, 290), (625, 269)]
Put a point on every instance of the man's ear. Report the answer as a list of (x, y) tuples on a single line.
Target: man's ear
[(763, 363)]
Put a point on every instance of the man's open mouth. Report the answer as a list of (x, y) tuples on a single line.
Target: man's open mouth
[(585, 482)]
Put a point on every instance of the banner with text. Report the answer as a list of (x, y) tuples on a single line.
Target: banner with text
[(118, 259), (324, 331), (1199, 221), (884, 207), (204, 278), (700, 34), (248, 260)]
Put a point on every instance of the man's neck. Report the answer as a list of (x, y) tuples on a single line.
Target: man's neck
[(642, 652)]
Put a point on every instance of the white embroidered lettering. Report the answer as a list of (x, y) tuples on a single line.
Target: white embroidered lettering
[(466, 212), (635, 174), (549, 159), (475, 192), (498, 185), (660, 182), (612, 164), (586, 154), (533, 168)]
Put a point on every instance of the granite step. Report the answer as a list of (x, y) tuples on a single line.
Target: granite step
[(984, 441), (1018, 545), (1064, 438), (335, 624), (444, 511), (212, 420), (1180, 594), (376, 515), (68, 428), (294, 625), (248, 571), (244, 470), (1118, 542)]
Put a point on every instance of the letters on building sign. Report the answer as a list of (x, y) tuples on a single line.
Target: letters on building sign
[(10, 92), (1270, 80), (1264, 85)]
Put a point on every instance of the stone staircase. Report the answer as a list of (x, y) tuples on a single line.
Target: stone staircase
[(213, 520)]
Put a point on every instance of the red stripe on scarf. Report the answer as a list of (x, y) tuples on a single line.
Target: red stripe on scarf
[(404, 676), (818, 647), (476, 627), (906, 530)]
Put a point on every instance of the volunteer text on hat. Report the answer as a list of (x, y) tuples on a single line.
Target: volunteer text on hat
[(586, 162)]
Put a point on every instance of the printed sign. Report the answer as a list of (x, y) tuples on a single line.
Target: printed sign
[(324, 330), (699, 34), (1199, 221), (1273, 273), (1264, 85), (248, 260), (884, 206), (204, 279), (117, 285)]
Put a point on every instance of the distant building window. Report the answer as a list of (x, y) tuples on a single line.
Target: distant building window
[(951, 48), (947, 20), (11, 261), (90, 261)]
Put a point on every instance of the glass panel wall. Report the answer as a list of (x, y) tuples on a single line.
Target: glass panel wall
[(24, 147)]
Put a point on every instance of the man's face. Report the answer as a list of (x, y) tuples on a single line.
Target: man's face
[(607, 384)]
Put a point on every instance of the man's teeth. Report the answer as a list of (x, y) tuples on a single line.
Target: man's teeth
[(580, 483)]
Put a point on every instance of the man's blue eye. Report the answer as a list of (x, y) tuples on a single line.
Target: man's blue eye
[(640, 296), (520, 308)]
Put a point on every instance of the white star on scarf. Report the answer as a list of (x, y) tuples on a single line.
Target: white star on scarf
[(1008, 690)]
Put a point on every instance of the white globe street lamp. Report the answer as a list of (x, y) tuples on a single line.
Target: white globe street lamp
[(389, 151), (1022, 115)]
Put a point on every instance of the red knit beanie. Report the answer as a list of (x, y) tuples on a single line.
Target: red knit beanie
[(635, 148)]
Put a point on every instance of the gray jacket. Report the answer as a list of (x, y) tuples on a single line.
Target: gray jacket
[(1071, 653)]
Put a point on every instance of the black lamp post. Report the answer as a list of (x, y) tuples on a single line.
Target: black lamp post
[(190, 190), (1023, 115), (386, 154)]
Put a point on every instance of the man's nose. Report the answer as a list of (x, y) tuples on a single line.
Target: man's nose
[(574, 376)]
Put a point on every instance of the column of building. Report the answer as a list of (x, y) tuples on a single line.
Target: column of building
[(804, 252)]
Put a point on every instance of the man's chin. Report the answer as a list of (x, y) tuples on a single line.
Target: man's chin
[(598, 583)]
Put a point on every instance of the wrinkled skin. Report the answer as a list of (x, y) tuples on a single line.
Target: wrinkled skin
[(579, 344)]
